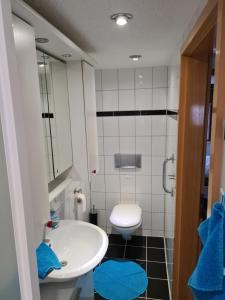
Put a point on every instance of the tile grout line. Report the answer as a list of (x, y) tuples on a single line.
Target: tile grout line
[(167, 272)]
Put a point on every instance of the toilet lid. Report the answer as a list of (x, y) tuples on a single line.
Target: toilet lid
[(126, 215)]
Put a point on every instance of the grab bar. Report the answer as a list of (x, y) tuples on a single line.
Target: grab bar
[(164, 175)]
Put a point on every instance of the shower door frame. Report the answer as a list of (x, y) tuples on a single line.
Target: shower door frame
[(193, 103)]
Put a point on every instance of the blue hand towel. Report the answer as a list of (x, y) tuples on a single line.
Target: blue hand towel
[(207, 281), (46, 260)]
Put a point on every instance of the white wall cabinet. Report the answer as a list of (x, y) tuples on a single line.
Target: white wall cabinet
[(90, 116), (81, 85)]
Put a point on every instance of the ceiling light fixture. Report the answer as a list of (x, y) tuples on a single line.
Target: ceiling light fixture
[(135, 57), (67, 55), (42, 40), (121, 19), (41, 64)]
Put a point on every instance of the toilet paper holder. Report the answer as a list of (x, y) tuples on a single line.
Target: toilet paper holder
[(77, 191)]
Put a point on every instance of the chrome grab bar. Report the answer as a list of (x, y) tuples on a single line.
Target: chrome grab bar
[(164, 175)]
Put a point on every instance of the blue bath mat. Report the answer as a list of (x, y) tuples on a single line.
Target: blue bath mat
[(120, 280)]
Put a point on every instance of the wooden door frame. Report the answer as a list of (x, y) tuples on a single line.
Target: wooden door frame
[(187, 199)]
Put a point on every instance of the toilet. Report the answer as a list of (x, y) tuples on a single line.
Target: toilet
[(126, 219)]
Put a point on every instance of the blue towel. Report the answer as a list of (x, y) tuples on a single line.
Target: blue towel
[(46, 260), (120, 280), (207, 281)]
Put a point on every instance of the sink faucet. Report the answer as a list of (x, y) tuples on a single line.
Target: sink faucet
[(52, 225)]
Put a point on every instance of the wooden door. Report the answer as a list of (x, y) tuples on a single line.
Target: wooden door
[(193, 99), (194, 74)]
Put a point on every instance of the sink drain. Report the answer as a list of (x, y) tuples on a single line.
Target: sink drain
[(64, 263)]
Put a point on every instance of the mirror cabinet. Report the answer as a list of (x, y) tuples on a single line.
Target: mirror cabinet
[(55, 114)]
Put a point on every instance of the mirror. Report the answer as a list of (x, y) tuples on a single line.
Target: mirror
[(55, 114)]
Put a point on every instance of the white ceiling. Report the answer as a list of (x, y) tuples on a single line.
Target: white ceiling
[(154, 32)]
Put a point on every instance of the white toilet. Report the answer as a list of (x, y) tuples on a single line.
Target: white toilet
[(126, 219)]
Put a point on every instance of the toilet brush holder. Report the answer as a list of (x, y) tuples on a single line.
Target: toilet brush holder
[(93, 216)]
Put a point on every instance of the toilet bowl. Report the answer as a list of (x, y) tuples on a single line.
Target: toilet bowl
[(126, 219)]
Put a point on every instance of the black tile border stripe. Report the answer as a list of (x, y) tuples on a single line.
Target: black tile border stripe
[(47, 115), (123, 113)]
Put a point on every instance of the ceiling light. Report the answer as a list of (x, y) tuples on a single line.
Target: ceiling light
[(121, 19), (66, 55), (135, 57), (41, 64), (42, 40)]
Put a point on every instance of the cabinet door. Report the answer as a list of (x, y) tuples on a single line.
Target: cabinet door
[(63, 143), (55, 114), (44, 78), (90, 115)]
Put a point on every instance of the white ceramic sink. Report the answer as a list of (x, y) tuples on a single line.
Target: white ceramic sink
[(80, 244)]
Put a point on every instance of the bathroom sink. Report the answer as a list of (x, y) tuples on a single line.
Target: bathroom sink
[(80, 246)]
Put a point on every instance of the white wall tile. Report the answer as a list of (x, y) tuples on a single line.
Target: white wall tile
[(160, 77), (100, 126), (158, 203), (157, 165), (101, 218), (110, 100), (143, 99), (109, 166), (127, 198), (157, 233), (158, 221), (143, 125), (101, 165), (172, 126), (110, 126), (99, 103), (127, 126), (145, 166), (146, 232), (127, 145), (143, 184), (112, 199), (98, 80), (145, 135), (98, 183), (146, 221), (160, 98), (126, 79), (143, 78), (144, 201), (127, 184), (158, 125), (126, 100), (158, 145), (109, 80), (143, 145), (111, 145), (157, 185), (112, 183), (100, 146), (98, 200)]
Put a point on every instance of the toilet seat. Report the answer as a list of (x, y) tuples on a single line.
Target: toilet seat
[(126, 215)]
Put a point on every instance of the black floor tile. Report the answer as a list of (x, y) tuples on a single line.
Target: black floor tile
[(156, 270), (135, 253), (137, 241), (115, 251), (116, 239), (141, 263), (158, 289), (155, 242), (155, 254)]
